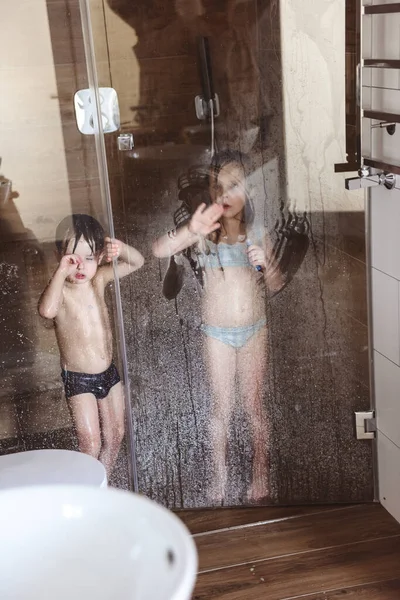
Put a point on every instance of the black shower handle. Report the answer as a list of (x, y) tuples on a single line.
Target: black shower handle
[(206, 70)]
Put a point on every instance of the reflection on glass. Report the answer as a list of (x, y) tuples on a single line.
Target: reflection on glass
[(74, 298)]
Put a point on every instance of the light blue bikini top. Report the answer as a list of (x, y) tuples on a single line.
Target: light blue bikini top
[(224, 255)]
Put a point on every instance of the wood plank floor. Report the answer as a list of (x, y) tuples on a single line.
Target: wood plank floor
[(310, 553)]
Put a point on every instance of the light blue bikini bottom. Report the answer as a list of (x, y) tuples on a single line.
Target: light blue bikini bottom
[(234, 336)]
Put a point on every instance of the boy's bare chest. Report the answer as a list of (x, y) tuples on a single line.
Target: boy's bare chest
[(88, 309)]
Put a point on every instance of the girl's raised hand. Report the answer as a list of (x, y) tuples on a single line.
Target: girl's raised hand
[(205, 219)]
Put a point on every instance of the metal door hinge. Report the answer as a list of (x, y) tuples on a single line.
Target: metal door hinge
[(365, 425), (125, 141)]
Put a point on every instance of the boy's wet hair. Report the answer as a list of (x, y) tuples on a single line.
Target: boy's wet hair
[(79, 226)]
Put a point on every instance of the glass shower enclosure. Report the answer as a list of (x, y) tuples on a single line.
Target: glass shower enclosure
[(203, 135)]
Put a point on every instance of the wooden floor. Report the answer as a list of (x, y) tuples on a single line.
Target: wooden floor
[(315, 553)]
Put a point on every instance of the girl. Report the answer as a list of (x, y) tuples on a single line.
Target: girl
[(233, 310)]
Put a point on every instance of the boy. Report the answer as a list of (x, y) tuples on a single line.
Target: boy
[(74, 298)]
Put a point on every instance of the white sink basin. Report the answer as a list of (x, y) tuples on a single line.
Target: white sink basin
[(81, 543)]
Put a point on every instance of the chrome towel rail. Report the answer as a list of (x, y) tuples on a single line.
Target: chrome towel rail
[(354, 112)]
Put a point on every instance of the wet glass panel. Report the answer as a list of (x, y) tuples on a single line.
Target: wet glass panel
[(247, 345), (49, 171), (246, 329)]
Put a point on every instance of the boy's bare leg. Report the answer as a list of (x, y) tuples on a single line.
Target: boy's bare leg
[(85, 415), (112, 418)]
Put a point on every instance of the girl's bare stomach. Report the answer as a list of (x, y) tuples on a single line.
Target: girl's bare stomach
[(233, 298)]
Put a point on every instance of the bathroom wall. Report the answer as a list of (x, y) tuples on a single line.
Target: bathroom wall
[(43, 63), (279, 71), (382, 92), (322, 377)]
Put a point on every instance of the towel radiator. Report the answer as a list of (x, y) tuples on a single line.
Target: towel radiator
[(371, 170)]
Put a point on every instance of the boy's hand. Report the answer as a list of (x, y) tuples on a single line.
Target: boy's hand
[(112, 250), (69, 264), (256, 256), (205, 220)]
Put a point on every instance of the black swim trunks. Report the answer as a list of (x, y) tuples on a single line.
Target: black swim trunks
[(98, 384)]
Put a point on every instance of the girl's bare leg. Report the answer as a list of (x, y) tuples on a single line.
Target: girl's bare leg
[(84, 413), (251, 371), (112, 418), (221, 363)]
